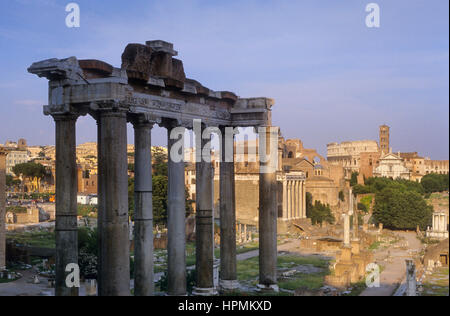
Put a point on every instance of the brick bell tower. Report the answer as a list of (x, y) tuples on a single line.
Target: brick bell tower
[(384, 138)]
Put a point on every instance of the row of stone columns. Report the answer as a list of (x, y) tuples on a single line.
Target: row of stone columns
[(113, 226), (294, 199), (439, 222)]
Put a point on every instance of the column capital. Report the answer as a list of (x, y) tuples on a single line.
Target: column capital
[(144, 119), (108, 108), (63, 112)]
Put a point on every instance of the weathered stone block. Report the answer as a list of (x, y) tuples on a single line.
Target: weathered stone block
[(137, 60), (93, 68), (338, 281), (350, 268), (229, 96)]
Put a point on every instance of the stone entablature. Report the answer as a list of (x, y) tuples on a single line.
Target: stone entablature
[(150, 82)]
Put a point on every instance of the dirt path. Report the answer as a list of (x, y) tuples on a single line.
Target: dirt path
[(393, 259), (24, 287)]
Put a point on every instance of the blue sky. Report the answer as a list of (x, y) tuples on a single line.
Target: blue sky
[(333, 78)]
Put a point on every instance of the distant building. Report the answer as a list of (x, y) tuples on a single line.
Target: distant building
[(15, 157), (348, 154), (392, 166), (384, 138), (436, 166)]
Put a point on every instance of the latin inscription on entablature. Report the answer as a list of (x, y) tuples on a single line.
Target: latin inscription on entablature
[(188, 108)]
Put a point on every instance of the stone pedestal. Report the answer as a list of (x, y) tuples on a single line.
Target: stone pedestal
[(356, 246), (411, 281)]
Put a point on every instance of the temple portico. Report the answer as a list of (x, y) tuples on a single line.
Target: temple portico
[(294, 195), (439, 229), (151, 88)]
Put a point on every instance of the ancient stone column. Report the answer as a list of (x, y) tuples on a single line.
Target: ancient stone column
[(295, 189), (143, 213), (2, 209), (346, 230), (411, 281), (299, 199), (204, 221), (66, 227), (176, 220), (228, 263), (268, 190), (289, 200), (113, 228), (285, 200), (304, 198)]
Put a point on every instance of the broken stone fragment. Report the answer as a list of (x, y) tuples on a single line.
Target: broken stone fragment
[(137, 60), (199, 87), (57, 69), (161, 65), (178, 70), (95, 68), (177, 76), (229, 96), (162, 46)]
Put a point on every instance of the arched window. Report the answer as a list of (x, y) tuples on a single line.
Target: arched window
[(291, 154)]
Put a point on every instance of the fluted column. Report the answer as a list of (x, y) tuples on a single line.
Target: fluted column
[(304, 198), (114, 252), (299, 201), (268, 204), (204, 221), (291, 199), (228, 263), (285, 200), (66, 227), (143, 213), (176, 220)]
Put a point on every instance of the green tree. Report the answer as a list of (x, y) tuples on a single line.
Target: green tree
[(318, 212), (30, 170), (354, 179), (434, 182), (401, 209), (160, 185), (341, 196)]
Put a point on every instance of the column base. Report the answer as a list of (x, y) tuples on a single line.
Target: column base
[(204, 291), (228, 285), (268, 288)]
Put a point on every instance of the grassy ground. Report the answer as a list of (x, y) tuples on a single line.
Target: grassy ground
[(34, 239), (439, 201), (437, 284), (248, 273)]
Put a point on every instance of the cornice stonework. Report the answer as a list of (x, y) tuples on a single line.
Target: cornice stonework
[(150, 82)]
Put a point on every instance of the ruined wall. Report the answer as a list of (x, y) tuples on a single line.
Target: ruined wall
[(247, 199), (2, 208), (324, 190)]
